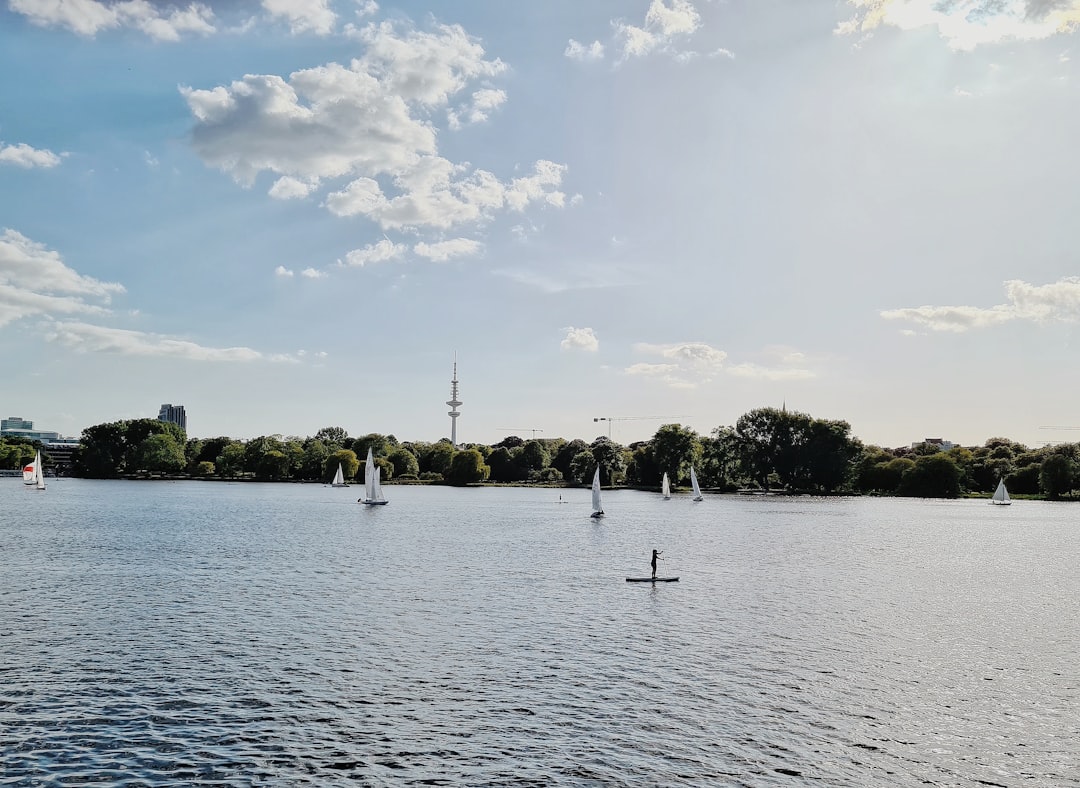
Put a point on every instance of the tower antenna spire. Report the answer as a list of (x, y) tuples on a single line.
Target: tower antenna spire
[(454, 404)]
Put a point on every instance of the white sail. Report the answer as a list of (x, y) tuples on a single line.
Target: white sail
[(28, 472), (378, 493), (597, 506), (373, 494), (1001, 495), (339, 477), (665, 486), (369, 476), (39, 473), (694, 484)]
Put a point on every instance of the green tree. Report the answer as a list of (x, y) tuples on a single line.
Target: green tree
[(101, 451), (566, 455), (675, 448), (160, 454), (313, 461), (1057, 476), (583, 467), (379, 445), (333, 436), (826, 456), (720, 456), (533, 458), (404, 462), (609, 456), (204, 468), (230, 463), (932, 476), (467, 467), (346, 458), (501, 465), (439, 458)]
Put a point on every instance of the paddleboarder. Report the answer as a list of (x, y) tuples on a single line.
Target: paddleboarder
[(655, 557)]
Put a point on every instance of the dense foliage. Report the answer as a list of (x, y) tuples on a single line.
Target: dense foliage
[(767, 449)]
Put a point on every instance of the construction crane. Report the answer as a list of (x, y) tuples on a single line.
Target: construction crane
[(1059, 428), (610, 419), (516, 430)]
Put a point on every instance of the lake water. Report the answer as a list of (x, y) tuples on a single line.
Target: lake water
[(186, 633)]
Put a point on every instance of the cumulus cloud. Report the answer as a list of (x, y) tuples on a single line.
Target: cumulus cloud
[(303, 16), (22, 155), (967, 24), (665, 21), (575, 50), (379, 252), (287, 188), (368, 126), (580, 339), (1055, 302), (283, 272), (690, 364), (484, 102), (89, 17), (313, 273), (442, 251), (35, 280), (86, 338)]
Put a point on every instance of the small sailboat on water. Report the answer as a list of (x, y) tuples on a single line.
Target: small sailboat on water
[(339, 478), (34, 474), (597, 505), (373, 494), (694, 484), (1001, 495), (665, 486)]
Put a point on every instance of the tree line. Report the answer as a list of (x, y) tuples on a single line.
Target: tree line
[(767, 449)]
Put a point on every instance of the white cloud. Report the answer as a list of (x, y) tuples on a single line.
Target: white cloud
[(442, 251), (478, 110), (288, 188), (580, 339), (749, 370), (313, 273), (575, 50), (690, 364), (22, 155), (35, 281), (369, 124), (379, 252), (967, 24), (665, 21), (85, 338), (89, 17), (1055, 302), (303, 16), (283, 271)]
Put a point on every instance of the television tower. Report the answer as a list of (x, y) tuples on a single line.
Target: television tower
[(454, 403)]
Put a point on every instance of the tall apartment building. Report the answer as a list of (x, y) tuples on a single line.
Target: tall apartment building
[(174, 414), (15, 423)]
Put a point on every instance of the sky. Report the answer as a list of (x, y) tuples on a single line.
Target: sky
[(293, 214)]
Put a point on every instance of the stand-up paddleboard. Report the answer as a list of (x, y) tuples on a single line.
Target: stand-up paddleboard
[(652, 580)]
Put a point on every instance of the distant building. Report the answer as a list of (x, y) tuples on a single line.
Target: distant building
[(174, 414), (941, 443), (15, 423)]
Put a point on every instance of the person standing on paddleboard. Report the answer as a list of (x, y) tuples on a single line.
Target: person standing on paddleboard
[(655, 558)]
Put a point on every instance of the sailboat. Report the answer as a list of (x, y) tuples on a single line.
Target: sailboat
[(33, 474), (373, 494), (665, 486), (339, 478), (694, 484), (597, 506), (1001, 495)]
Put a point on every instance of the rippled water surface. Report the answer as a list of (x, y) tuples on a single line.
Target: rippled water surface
[(159, 633)]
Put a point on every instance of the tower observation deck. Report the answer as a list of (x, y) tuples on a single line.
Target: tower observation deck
[(454, 403)]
